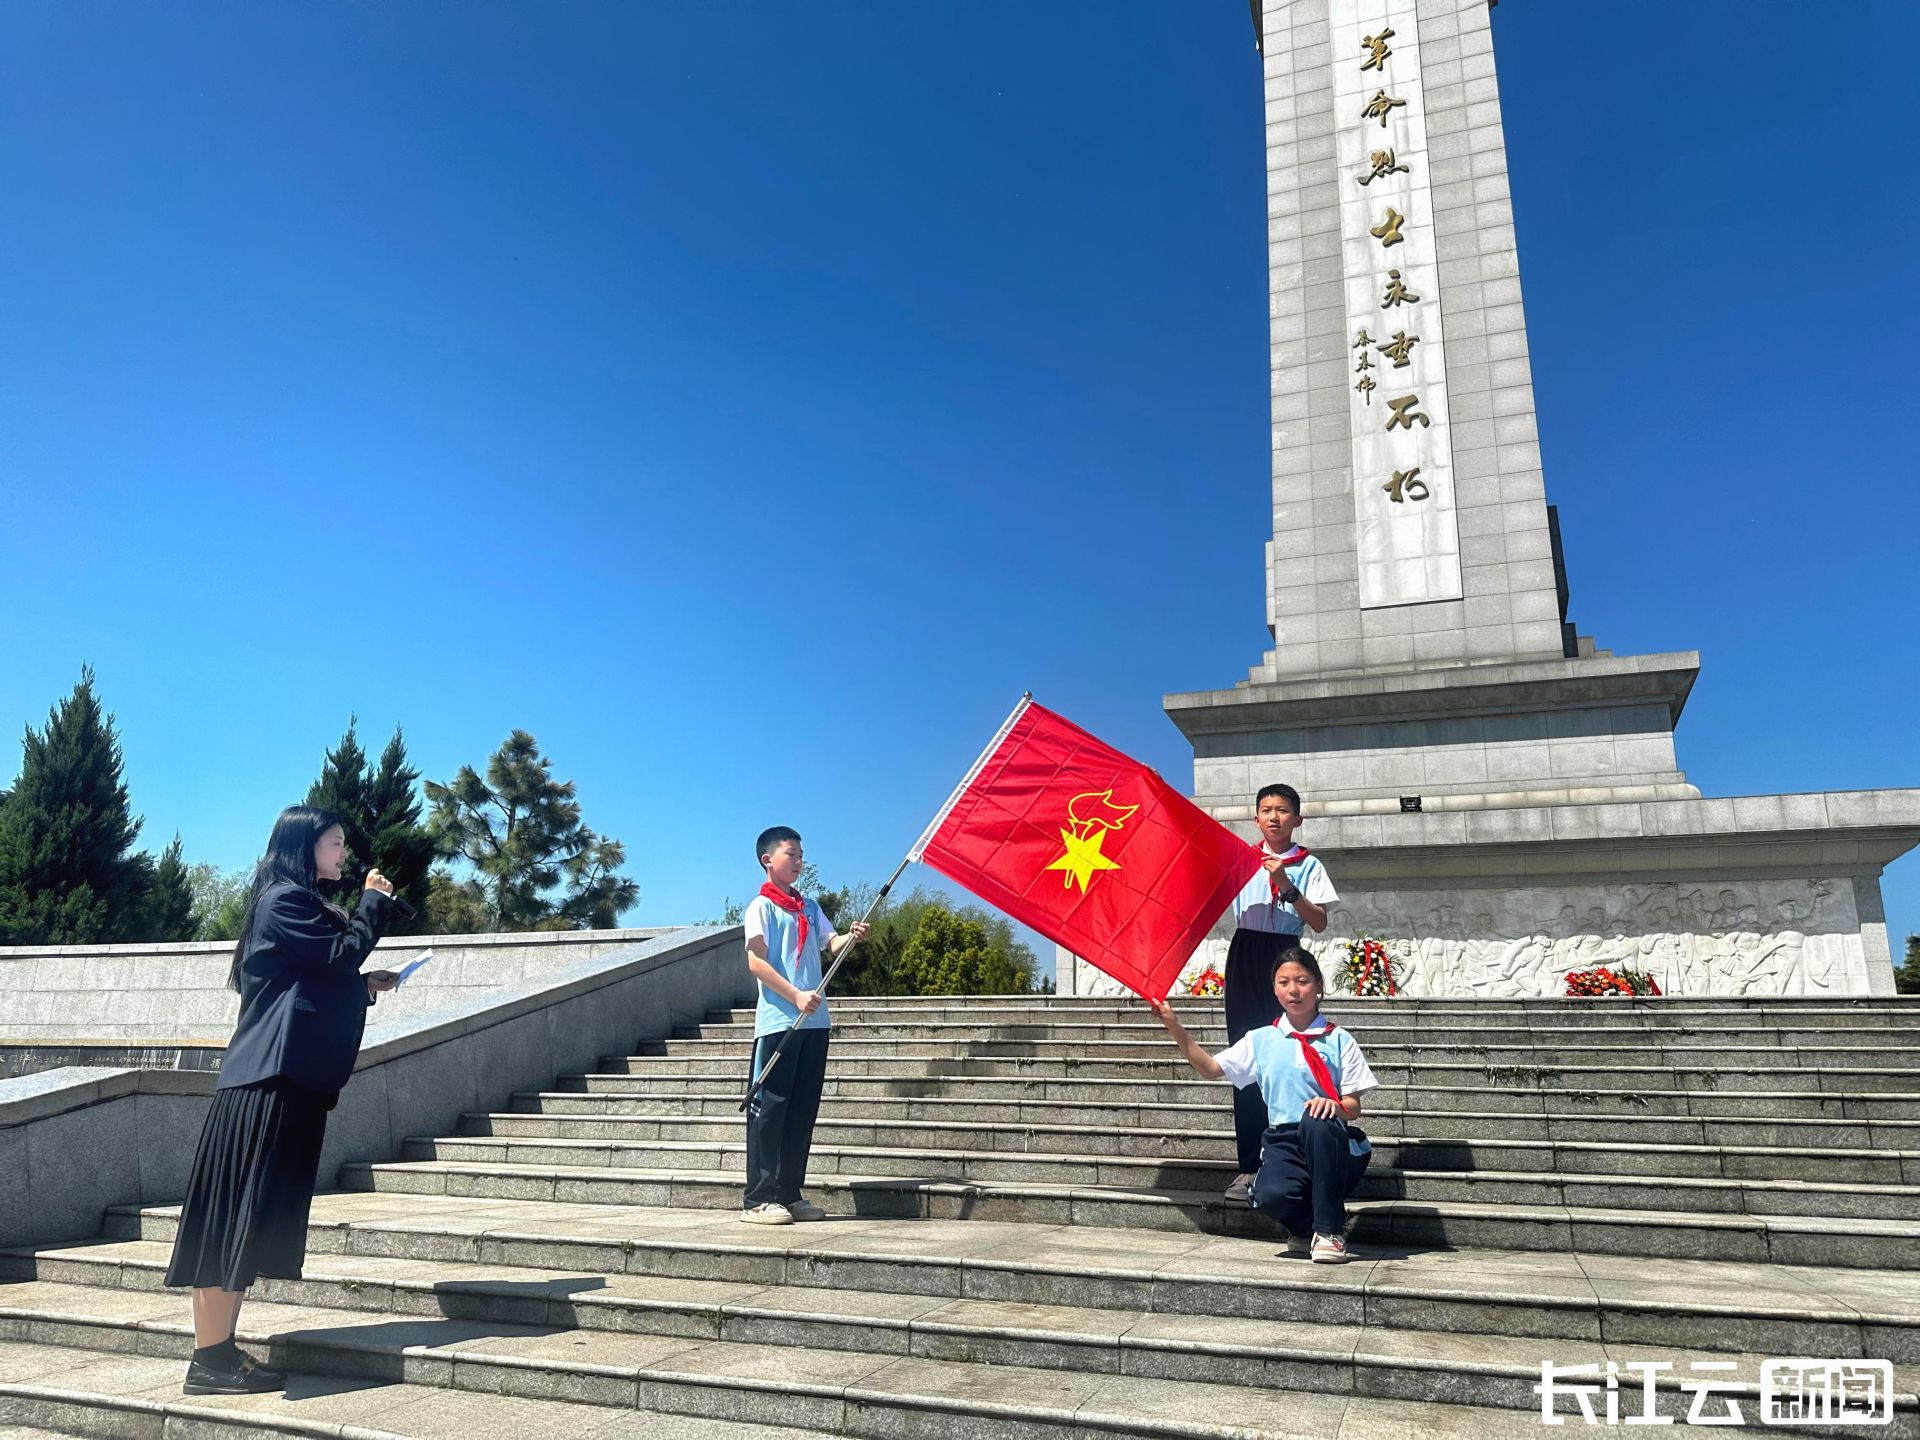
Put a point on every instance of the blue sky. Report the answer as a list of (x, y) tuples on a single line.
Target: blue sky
[(752, 399)]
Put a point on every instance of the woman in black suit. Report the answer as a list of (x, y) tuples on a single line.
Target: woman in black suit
[(303, 1007)]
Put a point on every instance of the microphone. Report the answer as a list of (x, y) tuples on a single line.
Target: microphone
[(357, 877)]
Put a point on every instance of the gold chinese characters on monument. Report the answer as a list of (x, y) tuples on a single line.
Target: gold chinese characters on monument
[(1403, 411), (1387, 232), (1400, 351), (1397, 293), (1380, 107), (1383, 163)]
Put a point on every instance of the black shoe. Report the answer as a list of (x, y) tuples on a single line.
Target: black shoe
[(262, 1374), (250, 1377)]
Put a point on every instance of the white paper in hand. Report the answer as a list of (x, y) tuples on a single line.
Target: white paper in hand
[(425, 955)]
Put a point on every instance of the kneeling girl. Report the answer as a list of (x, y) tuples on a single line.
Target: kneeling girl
[(1311, 1074)]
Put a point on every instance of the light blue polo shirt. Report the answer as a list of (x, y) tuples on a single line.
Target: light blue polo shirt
[(1254, 908), (801, 969), (1272, 1059)]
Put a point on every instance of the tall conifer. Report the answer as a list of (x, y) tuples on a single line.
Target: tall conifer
[(403, 847), (381, 814), (68, 871), (170, 901), (521, 833)]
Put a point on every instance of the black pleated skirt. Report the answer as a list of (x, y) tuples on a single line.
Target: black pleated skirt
[(252, 1185)]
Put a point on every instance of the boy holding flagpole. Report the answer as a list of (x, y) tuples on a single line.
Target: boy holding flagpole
[(786, 934), (1291, 891)]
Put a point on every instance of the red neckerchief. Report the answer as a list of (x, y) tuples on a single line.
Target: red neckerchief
[(794, 905), (1315, 1062), (1292, 857)]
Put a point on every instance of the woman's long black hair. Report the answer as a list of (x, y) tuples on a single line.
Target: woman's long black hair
[(289, 859)]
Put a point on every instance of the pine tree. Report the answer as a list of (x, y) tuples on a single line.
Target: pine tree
[(68, 872), (1906, 980), (596, 891), (170, 900), (381, 815), (342, 788), (403, 847), (520, 830), (456, 907)]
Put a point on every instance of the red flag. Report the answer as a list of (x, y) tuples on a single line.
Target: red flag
[(1090, 848)]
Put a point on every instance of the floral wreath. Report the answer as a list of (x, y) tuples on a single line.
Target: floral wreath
[(1611, 982), (1365, 968)]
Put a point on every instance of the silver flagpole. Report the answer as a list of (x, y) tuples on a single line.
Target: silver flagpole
[(919, 847), (940, 816), (825, 980)]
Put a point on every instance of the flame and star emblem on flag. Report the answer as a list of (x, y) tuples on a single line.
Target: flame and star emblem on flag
[(1089, 847), (1089, 817)]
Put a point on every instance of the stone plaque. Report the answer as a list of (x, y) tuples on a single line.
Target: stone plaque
[(1406, 526)]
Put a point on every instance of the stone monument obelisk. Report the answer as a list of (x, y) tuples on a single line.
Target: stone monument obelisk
[(1497, 798)]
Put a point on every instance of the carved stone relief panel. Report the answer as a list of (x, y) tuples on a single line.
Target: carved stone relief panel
[(1735, 937)]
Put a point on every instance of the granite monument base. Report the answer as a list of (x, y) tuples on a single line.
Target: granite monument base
[(1756, 895)]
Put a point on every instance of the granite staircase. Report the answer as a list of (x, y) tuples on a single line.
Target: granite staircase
[(1027, 1238)]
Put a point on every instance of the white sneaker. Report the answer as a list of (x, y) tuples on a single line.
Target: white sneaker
[(768, 1214), (1297, 1245), (1241, 1189), (806, 1210), (1329, 1249)]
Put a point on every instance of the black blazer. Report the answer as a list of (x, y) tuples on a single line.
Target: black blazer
[(303, 1000)]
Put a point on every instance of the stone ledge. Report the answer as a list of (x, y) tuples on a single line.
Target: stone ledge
[(390, 1041), (1882, 824), (1463, 797), (1524, 685), (179, 992), (402, 942)]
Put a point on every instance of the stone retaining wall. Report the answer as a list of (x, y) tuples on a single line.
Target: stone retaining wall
[(178, 993), (74, 1141)]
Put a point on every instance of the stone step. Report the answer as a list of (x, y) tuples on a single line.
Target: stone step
[(89, 1395), (1540, 1183), (1627, 1298), (1575, 1076), (1029, 1239), (420, 1412), (1212, 1119), (1214, 1033), (1732, 1057), (1459, 1223), (63, 1390), (1834, 1013), (599, 1312), (1441, 1147), (1480, 1096), (842, 1392)]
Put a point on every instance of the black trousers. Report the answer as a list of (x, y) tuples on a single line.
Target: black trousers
[(1306, 1173), (1248, 994), (780, 1119)]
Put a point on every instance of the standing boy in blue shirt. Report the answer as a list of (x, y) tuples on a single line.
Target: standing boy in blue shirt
[(1290, 894), (786, 936)]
